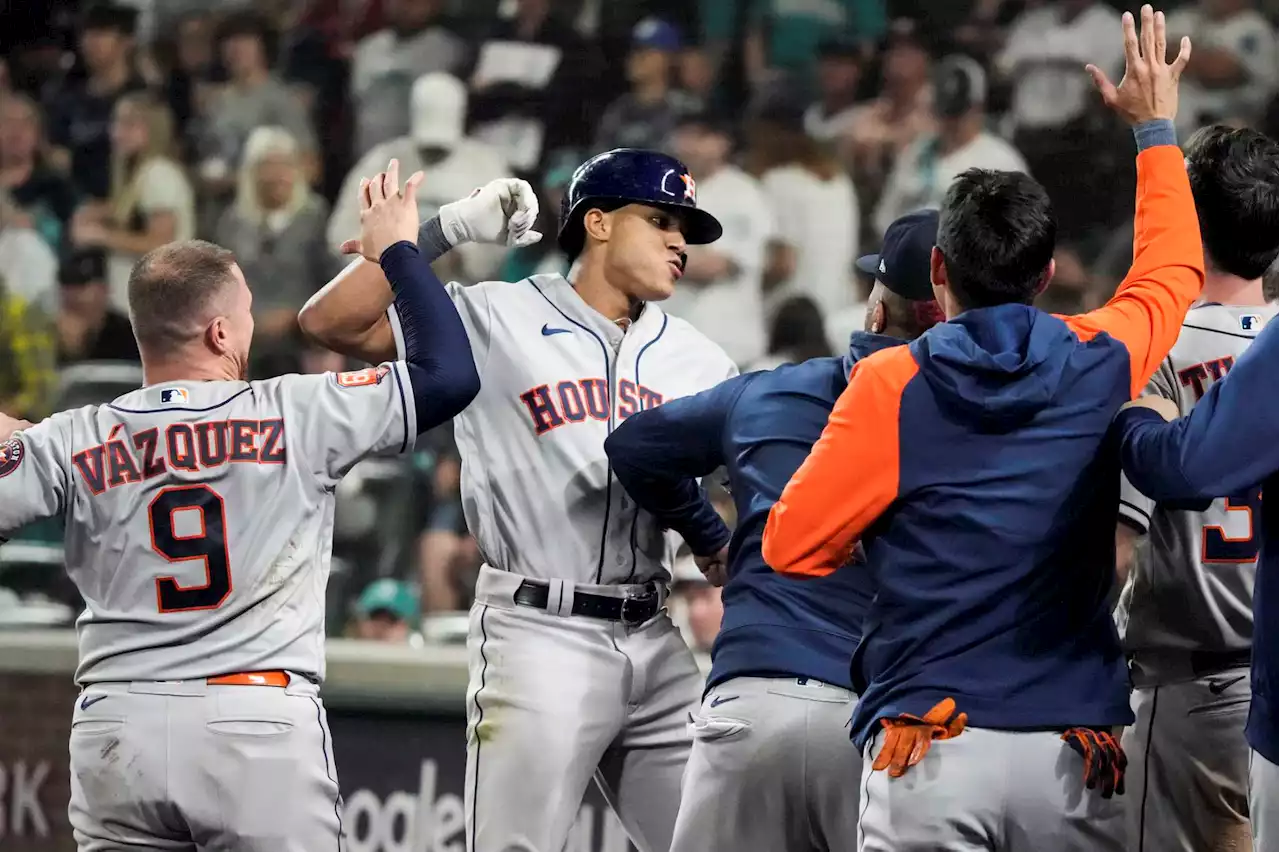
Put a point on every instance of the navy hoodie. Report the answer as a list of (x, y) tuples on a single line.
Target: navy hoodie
[(759, 427), (975, 467)]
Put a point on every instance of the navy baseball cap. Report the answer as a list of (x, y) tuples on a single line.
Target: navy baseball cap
[(903, 262), (656, 34)]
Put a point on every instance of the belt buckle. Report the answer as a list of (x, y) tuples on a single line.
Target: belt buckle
[(648, 601)]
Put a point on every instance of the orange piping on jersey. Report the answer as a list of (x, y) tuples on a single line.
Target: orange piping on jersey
[(1146, 313), (850, 476)]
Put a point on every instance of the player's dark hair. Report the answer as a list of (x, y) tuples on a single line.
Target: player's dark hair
[(1233, 176), (996, 232), (172, 290)]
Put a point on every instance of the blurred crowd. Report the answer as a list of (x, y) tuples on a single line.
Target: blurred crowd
[(809, 126)]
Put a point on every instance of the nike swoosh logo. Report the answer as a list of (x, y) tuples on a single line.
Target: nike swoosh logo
[(89, 701), (547, 331), (718, 700), (1219, 688)]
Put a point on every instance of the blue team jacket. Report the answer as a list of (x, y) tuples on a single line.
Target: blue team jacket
[(1227, 445), (759, 426), (978, 469)]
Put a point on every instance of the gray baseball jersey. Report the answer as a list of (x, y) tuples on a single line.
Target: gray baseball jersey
[(555, 378), (199, 515), (556, 699), (1191, 589)]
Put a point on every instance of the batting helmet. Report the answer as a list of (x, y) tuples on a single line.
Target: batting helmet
[(632, 176)]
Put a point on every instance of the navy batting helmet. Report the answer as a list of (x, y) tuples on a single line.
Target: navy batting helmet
[(632, 176)]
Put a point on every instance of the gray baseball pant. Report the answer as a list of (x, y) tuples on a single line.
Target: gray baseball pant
[(772, 769), (988, 791), (188, 766), (556, 700)]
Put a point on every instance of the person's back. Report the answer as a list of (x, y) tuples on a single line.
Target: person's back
[(783, 646), (184, 573), (974, 466), (199, 521)]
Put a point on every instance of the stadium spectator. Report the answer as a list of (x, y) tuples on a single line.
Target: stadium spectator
[(1046, 49), (81, 114), (27, 261), (697, 608), (89, 329), (831, 116), (925, 170), (814, 207), (532, 88), (782, 35), (43, 195), (884, 127), (28, 355), (647, 114), (276, 227), (253, 96), (1232, 74), (190, 80), (721, 292), (797, 333), (447, 556), (454, 163), (151, 201), (385, 612), (416, 41)]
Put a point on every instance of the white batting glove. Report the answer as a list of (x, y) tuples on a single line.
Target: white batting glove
[(502, 212)]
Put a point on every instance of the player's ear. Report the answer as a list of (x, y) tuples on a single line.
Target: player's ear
[(938, 277), (217, 336), (597, 224)]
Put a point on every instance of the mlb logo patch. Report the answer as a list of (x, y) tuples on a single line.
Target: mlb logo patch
[(1250, 322), (174, 396), (11, 454), (363, 378)]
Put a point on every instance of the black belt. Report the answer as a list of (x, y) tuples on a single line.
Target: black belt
[(634, 610), (1205, 663)]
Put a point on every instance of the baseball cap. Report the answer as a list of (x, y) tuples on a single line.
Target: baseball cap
[(959, 83), (656, 34), (387, 595), (839, 47), (903, 262), (438, 110)]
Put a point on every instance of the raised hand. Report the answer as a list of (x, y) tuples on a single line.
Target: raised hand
[(388, 215), (1149, 89)]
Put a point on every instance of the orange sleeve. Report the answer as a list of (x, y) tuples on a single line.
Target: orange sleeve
[(1147, 311), (849, 478)]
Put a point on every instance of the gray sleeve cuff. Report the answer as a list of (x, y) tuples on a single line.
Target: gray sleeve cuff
[(1158, 131), (431, 239)]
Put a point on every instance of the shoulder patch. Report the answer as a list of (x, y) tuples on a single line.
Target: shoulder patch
[(12, 453), (362, 378)]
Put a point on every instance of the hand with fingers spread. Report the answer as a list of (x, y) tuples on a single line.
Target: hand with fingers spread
[(388, 215), (1149, 89)]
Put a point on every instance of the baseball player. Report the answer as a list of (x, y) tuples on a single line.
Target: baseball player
[(1185, 614), (772, 767), (199, 521), (990, 673), (576, 669)]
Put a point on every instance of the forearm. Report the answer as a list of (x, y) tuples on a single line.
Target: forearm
[(437, 350), (129, 242), (678, 504), (349, 314)]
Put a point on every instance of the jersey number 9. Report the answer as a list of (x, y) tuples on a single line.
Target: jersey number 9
[(1218, 547), (208, 545)]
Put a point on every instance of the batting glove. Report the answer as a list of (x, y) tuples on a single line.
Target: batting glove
[(502, 212)]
